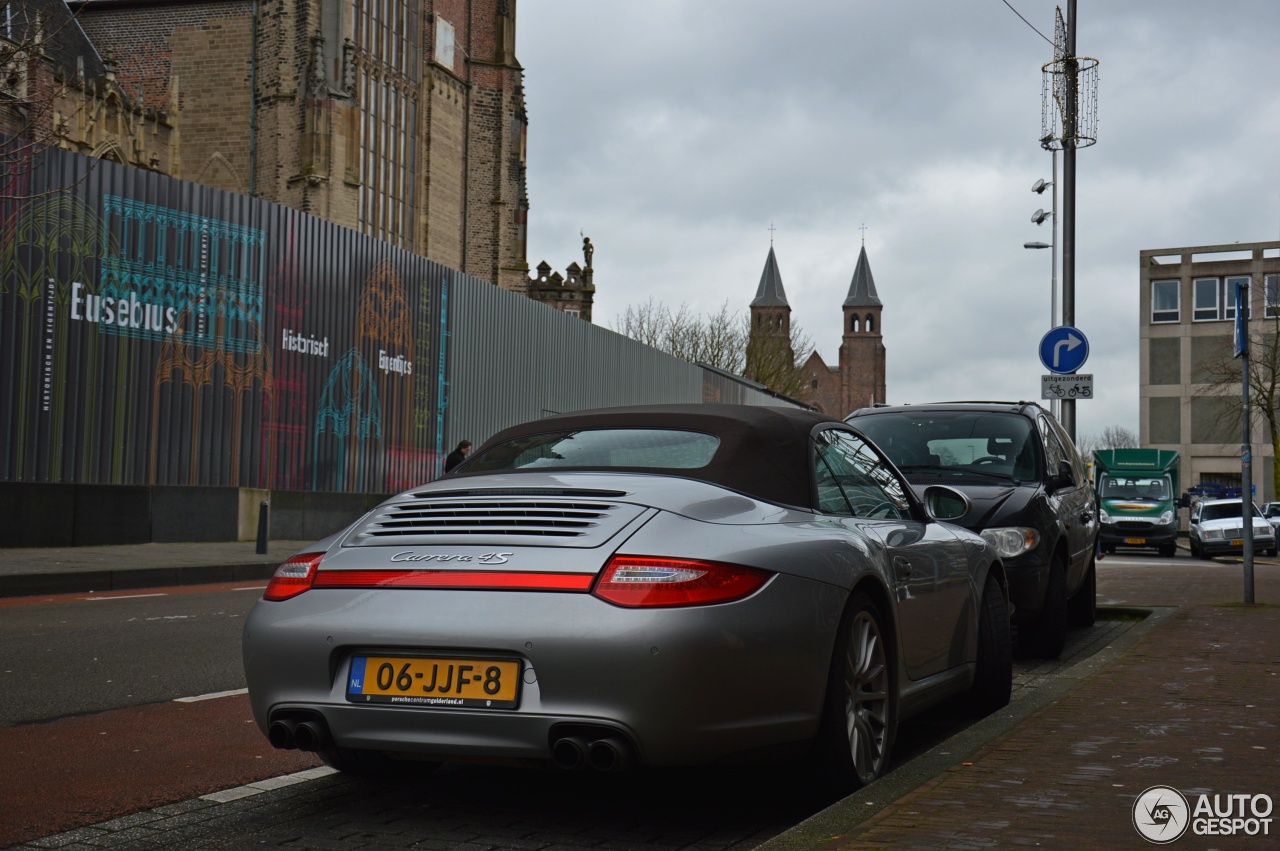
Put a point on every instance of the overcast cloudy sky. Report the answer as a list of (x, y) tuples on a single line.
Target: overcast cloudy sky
[(673, 132)]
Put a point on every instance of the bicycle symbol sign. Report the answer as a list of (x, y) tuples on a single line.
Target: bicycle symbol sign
[(1074, 386)]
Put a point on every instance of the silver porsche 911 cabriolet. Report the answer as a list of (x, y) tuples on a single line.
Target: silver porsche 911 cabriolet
[(658, 586)]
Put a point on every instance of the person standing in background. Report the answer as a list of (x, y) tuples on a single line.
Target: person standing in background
[(457, 456)]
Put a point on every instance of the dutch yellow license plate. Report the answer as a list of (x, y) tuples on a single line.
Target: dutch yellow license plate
[(1135, 541), (1237, 542), (434, 682)]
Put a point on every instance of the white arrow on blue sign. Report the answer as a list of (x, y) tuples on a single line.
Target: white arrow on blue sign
[(1064, 350)]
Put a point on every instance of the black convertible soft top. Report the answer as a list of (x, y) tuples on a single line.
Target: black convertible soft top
[(763, 451)]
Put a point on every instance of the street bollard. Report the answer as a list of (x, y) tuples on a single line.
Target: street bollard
[(263, 510)]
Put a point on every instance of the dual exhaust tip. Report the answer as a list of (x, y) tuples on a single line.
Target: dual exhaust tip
[(572, 753), (607, 753), (290, 734)]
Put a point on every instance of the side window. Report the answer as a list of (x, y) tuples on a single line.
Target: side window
[(871, 488), (830, 498)]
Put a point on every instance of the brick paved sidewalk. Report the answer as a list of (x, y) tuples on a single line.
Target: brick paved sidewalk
[(1194, 705)]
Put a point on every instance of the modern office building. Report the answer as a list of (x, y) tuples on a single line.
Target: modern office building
[(1190, 383)]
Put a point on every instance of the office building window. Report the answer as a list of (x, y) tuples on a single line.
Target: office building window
[(1215, 298), (1205, 302), (1272, 286), (1164, 301)]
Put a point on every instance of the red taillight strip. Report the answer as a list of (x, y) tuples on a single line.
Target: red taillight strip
[(472, 579)]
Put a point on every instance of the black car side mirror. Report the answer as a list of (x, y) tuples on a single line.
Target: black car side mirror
[(1065, 477)]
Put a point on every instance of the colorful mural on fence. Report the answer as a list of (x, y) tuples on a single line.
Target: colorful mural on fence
[(154, 331)]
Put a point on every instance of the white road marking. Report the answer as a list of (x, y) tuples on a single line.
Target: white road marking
[(211, 695), (228, 795), (250, 588), (123, 597)]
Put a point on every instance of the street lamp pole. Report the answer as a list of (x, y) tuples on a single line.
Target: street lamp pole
[(1039, 187)]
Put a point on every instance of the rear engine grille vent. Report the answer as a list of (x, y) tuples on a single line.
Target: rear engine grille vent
[(531, 518)]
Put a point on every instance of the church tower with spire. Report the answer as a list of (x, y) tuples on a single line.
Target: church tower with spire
[(770, 320), (862, 353)]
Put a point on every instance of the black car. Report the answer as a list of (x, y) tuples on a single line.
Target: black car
[(1031, 497)]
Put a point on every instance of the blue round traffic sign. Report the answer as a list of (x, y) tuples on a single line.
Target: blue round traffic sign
[(1064, 350)]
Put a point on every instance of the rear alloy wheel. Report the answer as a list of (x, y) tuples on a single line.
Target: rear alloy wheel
[(993, 679), (860, 719), (1050, 634), (1082, 608)]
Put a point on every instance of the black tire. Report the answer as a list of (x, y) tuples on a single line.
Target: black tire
[(1169, 551), (1194, 548), (1109, 550), (1271, 553), (375, 764), (1050, 634), (993, 679), (1082, 609), (860, 716)]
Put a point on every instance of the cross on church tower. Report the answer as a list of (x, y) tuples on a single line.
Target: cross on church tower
[(863, 228), (771, 230)]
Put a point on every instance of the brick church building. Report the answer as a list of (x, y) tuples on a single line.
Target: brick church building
[(401, 119), (859, 378)]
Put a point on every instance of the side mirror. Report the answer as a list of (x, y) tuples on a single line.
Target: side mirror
[(1064, 478), (1184, 501), (944, 503)]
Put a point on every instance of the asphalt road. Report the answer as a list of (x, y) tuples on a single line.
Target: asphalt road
[(102, 675), (92, 653)]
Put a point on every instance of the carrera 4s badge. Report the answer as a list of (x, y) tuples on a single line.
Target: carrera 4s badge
[(484, 558)]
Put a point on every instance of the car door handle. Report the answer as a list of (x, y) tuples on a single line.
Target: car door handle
[(902, 566)]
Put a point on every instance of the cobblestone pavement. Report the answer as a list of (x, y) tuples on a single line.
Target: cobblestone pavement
[(495, 809), (1190, 701)]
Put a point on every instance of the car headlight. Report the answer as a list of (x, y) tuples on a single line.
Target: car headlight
[(1165, 519), (1011, 541), (1211, 533), (1103, 515)]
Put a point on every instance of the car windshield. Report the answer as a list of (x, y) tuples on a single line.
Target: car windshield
[(1134, 487), (955, 441), (612, 447), (1224, 511)]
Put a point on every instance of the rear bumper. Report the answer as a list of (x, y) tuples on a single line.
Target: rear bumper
[(682, 686)]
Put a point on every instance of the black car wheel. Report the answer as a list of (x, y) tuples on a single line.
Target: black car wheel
[(860, 719), (1169, 551), (993, 679), (1050, 633), (1082, 609)]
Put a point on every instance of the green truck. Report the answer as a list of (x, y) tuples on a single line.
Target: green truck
[(1137, 498)]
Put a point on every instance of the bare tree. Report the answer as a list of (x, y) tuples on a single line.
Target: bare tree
[(721, 340), (778, 362), (1112, 437), (717, 340)]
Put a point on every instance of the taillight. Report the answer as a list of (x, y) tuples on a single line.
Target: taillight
[(293, 577), (644, 581)]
